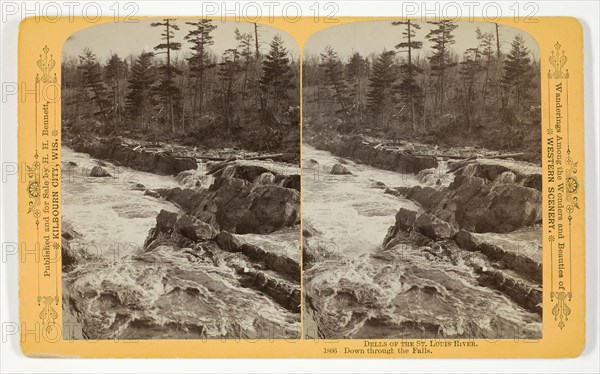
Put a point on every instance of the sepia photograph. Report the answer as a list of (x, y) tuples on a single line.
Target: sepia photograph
[(422, 181), (180, 181), (321, 185)]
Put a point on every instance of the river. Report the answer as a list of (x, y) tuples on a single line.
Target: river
[(126, 292), (113, 219), (356, 289), (349, 210)]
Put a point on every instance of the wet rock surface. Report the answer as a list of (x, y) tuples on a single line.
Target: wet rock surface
[(502, 171), (461, 259), (172, 292), (339, 169), (224, 262), (99, 172), (274, 273), (150, 160), (396, 158), (234, 205), (475, 204), (71, 255)]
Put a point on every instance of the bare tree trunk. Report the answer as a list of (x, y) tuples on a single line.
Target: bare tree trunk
[(171, 116), (499, 56), (412, 104), (182, 108), (497, 42), (256, 43)]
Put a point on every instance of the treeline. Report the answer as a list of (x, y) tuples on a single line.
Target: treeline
[(243, 97), (484, 97)]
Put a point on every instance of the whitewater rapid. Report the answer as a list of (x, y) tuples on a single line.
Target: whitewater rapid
[(350, 211), (123, 290), (355, 288), (113, 219)]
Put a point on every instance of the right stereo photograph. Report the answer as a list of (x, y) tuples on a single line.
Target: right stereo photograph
[(421, 181)]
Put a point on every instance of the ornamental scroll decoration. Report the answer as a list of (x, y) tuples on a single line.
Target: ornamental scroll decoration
[(561, 310)]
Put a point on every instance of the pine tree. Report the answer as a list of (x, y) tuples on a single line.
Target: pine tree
[(334, 78), (139, 99), (276, 75), (440, 60), (517, 70), (381, 96), (356, 71), (229, 68), (244, 46), (168, 90), (410, 91), (93, 82), (486, 46), (115, 71), (200, 61), (470, 68)]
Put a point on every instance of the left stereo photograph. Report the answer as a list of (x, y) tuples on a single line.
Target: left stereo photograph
[(180, 181)]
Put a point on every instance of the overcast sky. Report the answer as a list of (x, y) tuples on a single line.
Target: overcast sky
[(133, 38), (365, 37), (375, 36)]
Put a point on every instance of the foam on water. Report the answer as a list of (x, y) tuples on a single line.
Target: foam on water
[(163, 293), (359, 290), (352, 215), (110, 216)]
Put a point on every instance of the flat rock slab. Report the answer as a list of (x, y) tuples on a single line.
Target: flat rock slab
[(285, 242), (526, 242)]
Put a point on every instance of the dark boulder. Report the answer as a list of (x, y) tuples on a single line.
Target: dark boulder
[(288, 181), (339, 169), (185, 198), (524, 293), (151, 193), (309, 254), (99, 172), (433, 227), (194, 229), (404, 222), (247, 172), (427, 197), (513, 254), (505, 208), (500, 171), (138, 187), (179, 228), (70, 257), (228, 242), (378, 185), (280, 290), (265, 178), (254, 174), (234, 205), (476, 204)]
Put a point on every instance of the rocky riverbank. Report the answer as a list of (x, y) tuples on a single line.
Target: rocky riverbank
[(158, 158), (399, 158), (225, 264), (153, 160), (493, 208), (461, 260)]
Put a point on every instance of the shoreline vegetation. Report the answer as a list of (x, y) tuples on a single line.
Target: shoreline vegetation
[(222, 257), (486, 98), (462, 257), (235, 228), (247, 98)]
